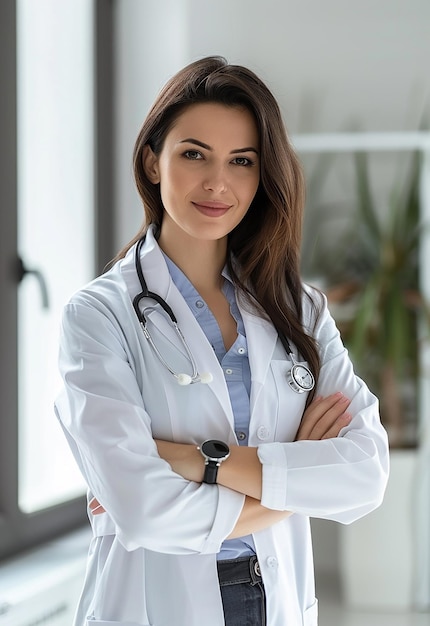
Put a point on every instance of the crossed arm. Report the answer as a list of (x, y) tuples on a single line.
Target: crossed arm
[(242, 471)]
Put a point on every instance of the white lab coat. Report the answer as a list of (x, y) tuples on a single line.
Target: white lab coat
[(152, 559)]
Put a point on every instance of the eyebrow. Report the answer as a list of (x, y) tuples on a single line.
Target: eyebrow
[(207, 147)]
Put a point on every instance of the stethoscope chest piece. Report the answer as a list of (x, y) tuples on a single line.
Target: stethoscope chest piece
[(300, 378)]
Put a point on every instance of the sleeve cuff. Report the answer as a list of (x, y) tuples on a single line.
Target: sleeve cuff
[(230, 505), (274, 475)]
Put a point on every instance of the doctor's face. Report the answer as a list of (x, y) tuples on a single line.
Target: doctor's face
[(208, 171)]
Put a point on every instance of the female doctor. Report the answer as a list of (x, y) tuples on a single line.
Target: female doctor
[(208, 399)]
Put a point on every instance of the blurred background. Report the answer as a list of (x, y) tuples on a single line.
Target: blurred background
[(352, 79)]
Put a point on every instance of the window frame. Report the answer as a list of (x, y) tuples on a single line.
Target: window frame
[(20, 531)]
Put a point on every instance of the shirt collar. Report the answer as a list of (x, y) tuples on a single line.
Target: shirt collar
[(181, 280)]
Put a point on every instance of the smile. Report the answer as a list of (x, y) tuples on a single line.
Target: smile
[(212, 209)]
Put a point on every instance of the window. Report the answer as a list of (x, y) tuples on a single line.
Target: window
[(52, 129), (55, 225)]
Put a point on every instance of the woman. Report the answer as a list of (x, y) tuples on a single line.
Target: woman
[(189, 531)]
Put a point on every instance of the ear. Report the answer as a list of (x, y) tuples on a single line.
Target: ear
[(150, 165)]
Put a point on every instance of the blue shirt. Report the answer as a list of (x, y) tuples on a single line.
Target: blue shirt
[(235, 365)]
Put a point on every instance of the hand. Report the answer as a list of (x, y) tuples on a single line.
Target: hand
[(324, 418), (95, 507)]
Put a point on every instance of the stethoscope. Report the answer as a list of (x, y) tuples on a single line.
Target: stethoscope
[(300, 377)]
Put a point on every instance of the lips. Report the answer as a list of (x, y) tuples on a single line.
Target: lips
[(212, 209)]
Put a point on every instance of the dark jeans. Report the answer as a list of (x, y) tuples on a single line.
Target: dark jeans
[(242, 592)]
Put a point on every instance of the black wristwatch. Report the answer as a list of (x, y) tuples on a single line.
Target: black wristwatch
[(214, 452)]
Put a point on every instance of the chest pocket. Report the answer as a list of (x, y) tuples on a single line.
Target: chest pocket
[(290, 405)]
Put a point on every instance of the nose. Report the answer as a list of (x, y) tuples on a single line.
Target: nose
[(216, 179)]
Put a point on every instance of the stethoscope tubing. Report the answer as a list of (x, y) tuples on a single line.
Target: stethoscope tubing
[(185, 379)]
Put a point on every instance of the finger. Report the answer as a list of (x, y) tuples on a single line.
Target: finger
[(328, 420), (312, 414), (93, 503), (98, 510), (340, 423), (317, 422), (95, 507), (317, 410)]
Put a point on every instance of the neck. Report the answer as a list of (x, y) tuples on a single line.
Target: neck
[(202, 261)]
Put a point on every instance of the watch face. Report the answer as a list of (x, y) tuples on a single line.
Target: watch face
[(303, 377), (214, 449)]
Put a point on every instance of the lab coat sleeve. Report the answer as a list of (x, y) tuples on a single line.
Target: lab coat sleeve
[(103, 412), (342, 478)]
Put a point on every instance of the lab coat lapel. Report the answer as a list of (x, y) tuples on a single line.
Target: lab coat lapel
[(261, 338), (202, 351), (159, 281)]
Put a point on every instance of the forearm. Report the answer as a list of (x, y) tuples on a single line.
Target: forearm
[(255, 517), (242, 471)]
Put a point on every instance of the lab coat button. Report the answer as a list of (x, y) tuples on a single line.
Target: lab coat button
[(263, 433), (272, 562)]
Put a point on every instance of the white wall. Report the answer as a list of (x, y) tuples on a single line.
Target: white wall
[(342, 59), (333, 65), (150, 45)]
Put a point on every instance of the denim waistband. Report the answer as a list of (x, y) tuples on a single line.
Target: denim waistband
[(236, 571)]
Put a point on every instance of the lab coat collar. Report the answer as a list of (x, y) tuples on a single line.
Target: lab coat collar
[(260, 333), (159, 281)]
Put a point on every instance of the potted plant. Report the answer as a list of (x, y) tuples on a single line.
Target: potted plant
[(381, 281), (371, 278)]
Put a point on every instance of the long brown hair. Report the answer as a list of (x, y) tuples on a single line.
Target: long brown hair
[(266, 243)]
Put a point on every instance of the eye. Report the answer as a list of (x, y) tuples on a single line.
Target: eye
[(243, 161), (193, 155)]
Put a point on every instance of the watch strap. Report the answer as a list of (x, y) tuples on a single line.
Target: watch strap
[(211, 472)]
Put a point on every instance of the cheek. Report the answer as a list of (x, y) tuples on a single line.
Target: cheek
[(173, 183), (252, 188), (178, 175)]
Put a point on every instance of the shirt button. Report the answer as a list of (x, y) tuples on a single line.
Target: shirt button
[(241, 435), (241, 350), (272, 562), (200, 304), (229, 371), (263, 433)]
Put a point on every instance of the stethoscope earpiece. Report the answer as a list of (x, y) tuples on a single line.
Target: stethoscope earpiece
[(186, 379), (206, 378), (183, 379)]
